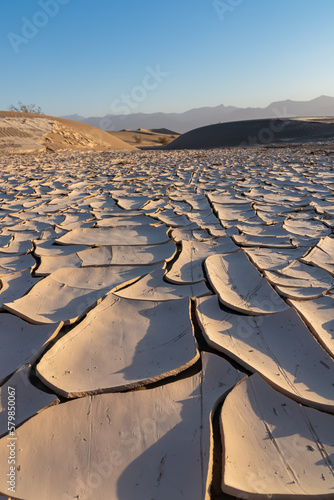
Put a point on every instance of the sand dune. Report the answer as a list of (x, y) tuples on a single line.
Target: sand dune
[(144, 137), (27, 132), (256, 132)]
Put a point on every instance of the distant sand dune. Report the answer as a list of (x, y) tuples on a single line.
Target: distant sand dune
[(143, 138), (256, 132)]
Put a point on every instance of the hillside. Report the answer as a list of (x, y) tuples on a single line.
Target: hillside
[(28, 132)]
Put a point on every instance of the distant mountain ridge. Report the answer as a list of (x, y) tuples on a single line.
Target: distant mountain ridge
[(200, 117)]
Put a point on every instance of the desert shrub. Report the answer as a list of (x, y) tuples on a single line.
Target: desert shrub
[(163, 140), (137, 139), (26, 108)]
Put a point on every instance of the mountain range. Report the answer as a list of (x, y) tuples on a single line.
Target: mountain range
[(199, 117)]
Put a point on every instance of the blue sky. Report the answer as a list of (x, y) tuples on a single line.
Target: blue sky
[(93, 57)]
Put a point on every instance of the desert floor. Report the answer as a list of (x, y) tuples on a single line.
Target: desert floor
[(167, 324)]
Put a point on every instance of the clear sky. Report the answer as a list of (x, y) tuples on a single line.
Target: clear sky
[(96, 57)]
